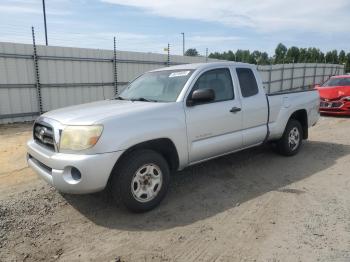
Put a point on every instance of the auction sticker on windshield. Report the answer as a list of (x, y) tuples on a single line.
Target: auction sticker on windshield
[(181, 73)]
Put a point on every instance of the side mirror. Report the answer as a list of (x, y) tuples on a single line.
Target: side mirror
[(200, 96)]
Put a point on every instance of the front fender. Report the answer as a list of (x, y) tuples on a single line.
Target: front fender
[(168, 121)]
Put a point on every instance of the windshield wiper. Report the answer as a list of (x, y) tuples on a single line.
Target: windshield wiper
[(142, 99)]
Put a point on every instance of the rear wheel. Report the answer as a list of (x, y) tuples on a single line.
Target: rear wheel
[(291, 140), (141, 180)]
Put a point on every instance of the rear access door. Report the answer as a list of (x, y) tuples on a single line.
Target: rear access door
[(254, 106)]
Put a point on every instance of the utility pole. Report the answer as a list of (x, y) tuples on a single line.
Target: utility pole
[(44, 11), (168, 58), (183, 43), (168, 49), (115, 67)]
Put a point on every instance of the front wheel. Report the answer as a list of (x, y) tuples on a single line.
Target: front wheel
[(141, 180), (291, 140)]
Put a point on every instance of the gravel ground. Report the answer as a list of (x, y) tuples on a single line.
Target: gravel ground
[(250, 206)]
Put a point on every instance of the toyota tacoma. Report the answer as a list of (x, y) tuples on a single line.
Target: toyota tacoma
[(163, 121)]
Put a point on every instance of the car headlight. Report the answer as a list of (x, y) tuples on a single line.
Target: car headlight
[(80, 137), (347, 98)]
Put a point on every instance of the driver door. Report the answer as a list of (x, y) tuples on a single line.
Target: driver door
[(214, 128)]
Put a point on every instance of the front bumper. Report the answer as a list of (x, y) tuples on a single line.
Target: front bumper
[(335, 113), (56, 169)]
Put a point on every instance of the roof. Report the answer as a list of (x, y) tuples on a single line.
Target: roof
[(201, 66)]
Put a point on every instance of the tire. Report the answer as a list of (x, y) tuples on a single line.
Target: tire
[(290, 142), (141, 180)]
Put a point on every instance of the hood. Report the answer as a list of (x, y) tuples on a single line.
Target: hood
[(334, 92), (90, 113)]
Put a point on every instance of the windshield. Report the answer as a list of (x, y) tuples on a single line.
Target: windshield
[(337, 82), (160, 86)]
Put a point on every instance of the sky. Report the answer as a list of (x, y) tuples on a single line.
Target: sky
[(149, 25)]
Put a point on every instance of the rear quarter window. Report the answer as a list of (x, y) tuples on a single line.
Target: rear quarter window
[(247, 82)]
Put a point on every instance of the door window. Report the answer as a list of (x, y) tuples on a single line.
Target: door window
[(219, 80)]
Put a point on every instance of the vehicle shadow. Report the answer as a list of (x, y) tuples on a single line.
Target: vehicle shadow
[(210, 188)]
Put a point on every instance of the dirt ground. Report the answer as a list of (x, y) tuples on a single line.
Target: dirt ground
[(250, 206)]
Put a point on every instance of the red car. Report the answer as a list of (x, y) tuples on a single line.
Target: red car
[(335, 95)]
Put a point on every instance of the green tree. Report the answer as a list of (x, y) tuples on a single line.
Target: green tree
[(239, 55), (335, 56), (347, 67), (225, 56), (342, 57), (329, 57), (215, 55), (312, 55), (246, 56), (332, 57), (292, 55), (280, 53), (285, 55), (264, 59), (255, 57), (191, 52), (322, 57), (302, 55), (231, 56), (315, 55)]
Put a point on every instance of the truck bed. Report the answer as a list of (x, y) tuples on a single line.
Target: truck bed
[(282, 103)]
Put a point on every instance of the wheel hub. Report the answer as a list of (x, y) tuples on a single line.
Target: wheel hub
[(294, 138), (146, 183)]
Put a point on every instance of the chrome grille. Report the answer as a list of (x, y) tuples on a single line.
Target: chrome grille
[(44, 135)]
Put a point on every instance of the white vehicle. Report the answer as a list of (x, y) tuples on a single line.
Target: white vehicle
[(164, 121)]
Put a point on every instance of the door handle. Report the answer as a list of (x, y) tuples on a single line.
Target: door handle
[(235, 109)]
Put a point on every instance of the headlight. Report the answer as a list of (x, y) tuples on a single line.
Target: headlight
[(80, 137), (347, 98)]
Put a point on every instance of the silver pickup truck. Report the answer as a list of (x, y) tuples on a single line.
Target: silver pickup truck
[(164, 121)]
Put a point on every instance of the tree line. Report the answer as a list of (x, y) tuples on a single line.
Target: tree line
[(282, 55)]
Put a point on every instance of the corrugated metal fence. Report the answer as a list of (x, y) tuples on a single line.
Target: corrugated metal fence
[(283, 77), (47, 77)]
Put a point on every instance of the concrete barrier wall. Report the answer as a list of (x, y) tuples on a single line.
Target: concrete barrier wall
[(54, 77)]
